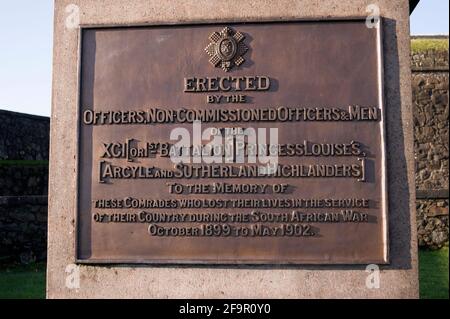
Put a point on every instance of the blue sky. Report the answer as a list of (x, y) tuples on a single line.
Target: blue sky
[(430, 17), (26, 31)]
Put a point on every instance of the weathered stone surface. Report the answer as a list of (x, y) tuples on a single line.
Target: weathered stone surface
[(430, 54), (431, 110), (430, 83), (23, 136), (432, 223), (20, 180), (23, 229), (24, 146), (398, 280)]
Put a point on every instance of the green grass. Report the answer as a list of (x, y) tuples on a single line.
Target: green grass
[(419, 45), (433, 274), (29, 281), (22, 282)]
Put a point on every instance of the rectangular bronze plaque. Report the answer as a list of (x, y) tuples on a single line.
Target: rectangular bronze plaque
[(232, 143)]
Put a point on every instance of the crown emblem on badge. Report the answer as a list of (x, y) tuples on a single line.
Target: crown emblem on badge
[(226, 49)]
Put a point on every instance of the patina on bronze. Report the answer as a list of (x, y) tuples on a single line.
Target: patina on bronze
[(318, 82)]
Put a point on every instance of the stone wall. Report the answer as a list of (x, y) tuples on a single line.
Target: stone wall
[(20, 179), (23, 136), (430, 83), (432, 222), (24, 144), (23, 228)]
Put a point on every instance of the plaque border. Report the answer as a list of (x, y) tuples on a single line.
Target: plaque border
[(241, 262)]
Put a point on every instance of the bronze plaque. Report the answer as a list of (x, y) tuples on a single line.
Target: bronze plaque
[(232, 143)]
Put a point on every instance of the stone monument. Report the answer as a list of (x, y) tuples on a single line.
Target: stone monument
[(227, 149)]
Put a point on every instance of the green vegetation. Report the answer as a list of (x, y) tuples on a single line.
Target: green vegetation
[(433, 274), (23, 163), (22, 282), (424, 44), (29, 281)]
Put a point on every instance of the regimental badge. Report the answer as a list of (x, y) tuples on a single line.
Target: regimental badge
[(226, 49)]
